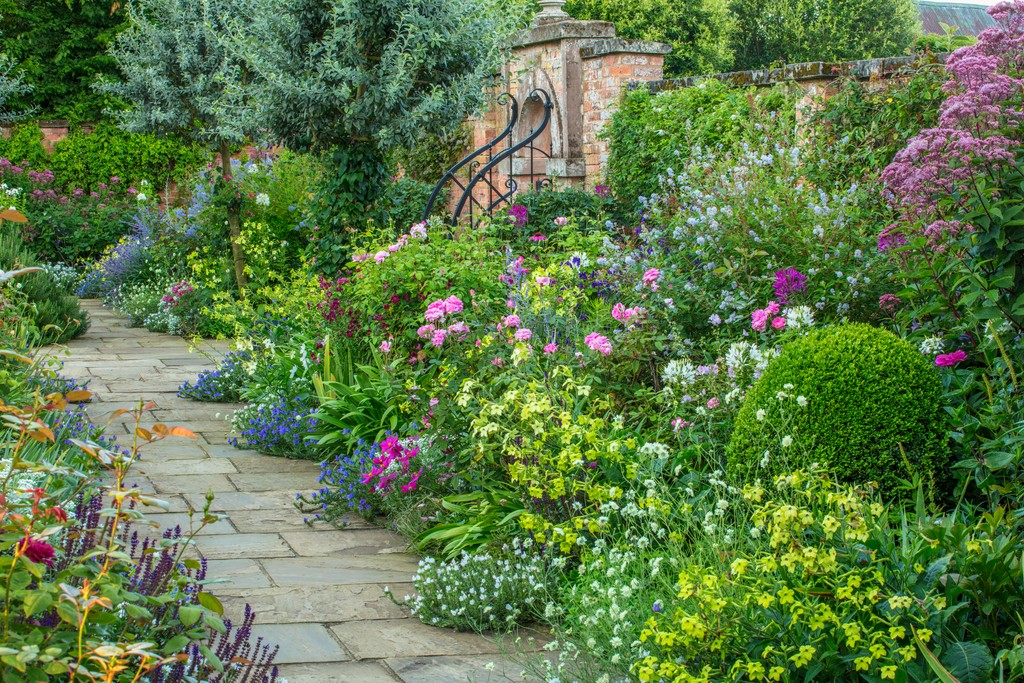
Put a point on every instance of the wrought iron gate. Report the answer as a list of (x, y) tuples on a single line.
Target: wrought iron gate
[(486, 164)]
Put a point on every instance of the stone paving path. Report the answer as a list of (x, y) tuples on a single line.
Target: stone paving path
[(316, 592)]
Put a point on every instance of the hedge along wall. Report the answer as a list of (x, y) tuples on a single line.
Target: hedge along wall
[(657, 120), (89, 154)]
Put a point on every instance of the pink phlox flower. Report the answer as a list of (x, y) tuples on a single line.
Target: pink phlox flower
[(759, 320), (948, 360), (598, 342), (551, 348), (524, 334), (651, 278)]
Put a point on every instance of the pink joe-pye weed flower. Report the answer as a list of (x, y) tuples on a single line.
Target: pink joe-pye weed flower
[(778, 323), (524, 334), (599, 343), (561, 221), (948, 360), (551, 348)]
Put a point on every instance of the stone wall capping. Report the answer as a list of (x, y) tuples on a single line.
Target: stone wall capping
[(795, 73), (610, 46), (572, 29)]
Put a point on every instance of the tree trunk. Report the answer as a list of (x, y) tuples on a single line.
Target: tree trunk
[(234, 222)]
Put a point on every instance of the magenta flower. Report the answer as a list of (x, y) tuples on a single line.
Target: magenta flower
[(778, 323), (385, 346), (519, 214), (889, 302), (787, 282), (551, 348), (599, 343), (948, 360), (37, 551), (538, 238), (511, 321), (437, 339), (602, 191)]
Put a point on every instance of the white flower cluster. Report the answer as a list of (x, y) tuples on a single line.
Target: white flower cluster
[(480, 591), (931, 346)]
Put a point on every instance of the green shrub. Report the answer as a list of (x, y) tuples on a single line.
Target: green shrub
[(869, 396), (84, 160), (25, 145), (652, 132), (57, 315)]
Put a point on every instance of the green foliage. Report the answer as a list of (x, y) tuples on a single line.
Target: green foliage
[(403, 201), (56, 315), (872, 411), (86, 159), (357, 410), (25, 146), (588, 209), (861, 127), (790, 31), (698, 31), (62, 49), (652, 132), (428, 159)]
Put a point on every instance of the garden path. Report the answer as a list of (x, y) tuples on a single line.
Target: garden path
[(318, 592)]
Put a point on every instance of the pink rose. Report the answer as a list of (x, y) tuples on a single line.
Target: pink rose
[(437, 339), (453, 304), (778, 323), (524, 334), (773, 308), (551, 348), (511, 321), (713, 403), (651, 278), (425, 331), (380, 256)]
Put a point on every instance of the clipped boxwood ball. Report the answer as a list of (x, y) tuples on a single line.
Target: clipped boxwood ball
[(867, 392)]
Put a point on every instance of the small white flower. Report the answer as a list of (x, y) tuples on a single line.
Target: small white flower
[(263, 199)]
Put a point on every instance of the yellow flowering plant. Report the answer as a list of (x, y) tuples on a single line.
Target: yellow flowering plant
[(824, 594)]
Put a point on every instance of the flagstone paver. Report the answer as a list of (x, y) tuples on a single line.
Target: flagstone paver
[(318, 593)]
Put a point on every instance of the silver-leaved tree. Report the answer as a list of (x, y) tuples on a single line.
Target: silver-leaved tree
[(357, 78), (11, 85), (182, 77)]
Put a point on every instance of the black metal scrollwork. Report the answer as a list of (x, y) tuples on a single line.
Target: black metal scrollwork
[(478, 172)]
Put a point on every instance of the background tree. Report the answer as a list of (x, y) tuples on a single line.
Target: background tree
[(182, 79), (770, 31), (699, 31), (12, 87), (360, 77), (61, 47)]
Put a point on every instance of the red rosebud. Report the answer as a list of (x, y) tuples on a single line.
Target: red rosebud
[(37, 551)]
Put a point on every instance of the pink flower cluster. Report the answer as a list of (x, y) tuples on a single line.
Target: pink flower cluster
[(417, 231), (625, 315), (436, 314), (599, 343), (177, 292), (760, 318), (393, 461), (651, 278), (948, 360)]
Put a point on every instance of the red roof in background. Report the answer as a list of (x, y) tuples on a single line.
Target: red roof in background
[(969, 19)]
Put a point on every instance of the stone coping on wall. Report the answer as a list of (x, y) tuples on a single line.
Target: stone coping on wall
[(564, 30), (610, 46), (806, 71)]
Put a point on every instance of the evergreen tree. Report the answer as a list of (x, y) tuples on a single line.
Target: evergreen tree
[(182, 78), (361, 77), (788, 31)]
